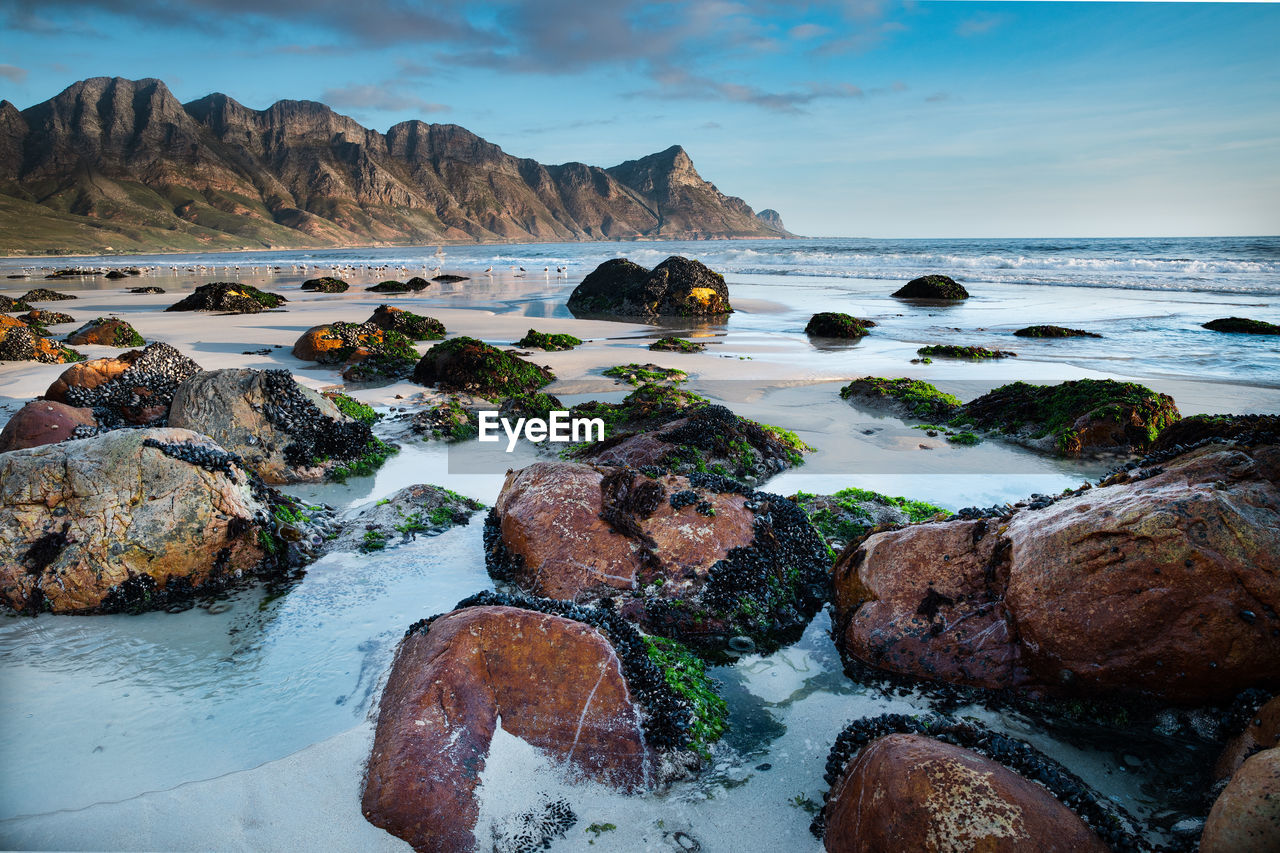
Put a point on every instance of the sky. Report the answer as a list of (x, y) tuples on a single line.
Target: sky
[(931, 118)]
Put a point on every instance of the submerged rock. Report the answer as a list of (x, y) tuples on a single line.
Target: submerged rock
[(474, 367), (459, 676), (1063, 599), (1246, 815), (699, 558), (931, 784), (134, 388), (413, 326), (106, 331), (132, 519), (1243, 325), (285, 432), (402, 516), (44, 422), (326, 284), (229, 297), (932, 287), (1054, 332), (677, 287), (450, 278), (833, 324)]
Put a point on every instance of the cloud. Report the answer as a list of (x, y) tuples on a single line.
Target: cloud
[(977, 26), (571, 125), (13, 73), (937, 98), (804, 32), (364, 97), (680, 84)]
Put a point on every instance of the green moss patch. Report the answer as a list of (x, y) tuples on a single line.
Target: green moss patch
[(676, 345), (472, 366), (913, 397), (970, 353), (686, 674), (1053, 332), (850, 514), (643, 374), (353, 408)]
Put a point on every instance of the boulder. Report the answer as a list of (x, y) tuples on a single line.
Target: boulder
[(910, 792), (148, 289), (132, 519), (456, 679), (326, 284), (909, 399), (44, 294), (550, 342), (108, 332), (1072, 418), (390, 286), (1054, 332), (135, 387), (474, 367), (1243, 325), (10, 304), (676, 345), (699, 558), (702, 438), (43, 422), (833, 324), (284, 432), (367, 351), (450, 278), (19, 342), (1246, 815), (228, 297), (45, 318), (1193, 430), (413, 326), (932, 287), (677, 287), (969, 353), (1161, 583)]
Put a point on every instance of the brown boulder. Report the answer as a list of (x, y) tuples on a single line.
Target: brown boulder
[(928, 600), (1262, 732), (18, 342), (698, 557), (118, 522), (909, 792), (43, 422), (1246, 816), (451, 686), (106, 331), (1165, 582)]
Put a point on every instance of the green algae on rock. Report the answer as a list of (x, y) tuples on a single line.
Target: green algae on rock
[(472, 366), (962, 352), (644, 374), (833, 324), (106, 331), (1054, 332), (326, 284), (677, 287), (548, 342), (932, 287), (910, 397), (676, 345), (1242, 325), (228, 297), (850, 514)]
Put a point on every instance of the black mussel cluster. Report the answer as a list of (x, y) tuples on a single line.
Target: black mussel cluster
[(1107, 819), (157, 372), (207, 456), (668, 715), (314, 434), (536, 829)]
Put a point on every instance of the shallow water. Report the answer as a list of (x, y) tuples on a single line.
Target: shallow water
[(104, 709)]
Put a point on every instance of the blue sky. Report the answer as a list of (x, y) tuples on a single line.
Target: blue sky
[(857, 118)]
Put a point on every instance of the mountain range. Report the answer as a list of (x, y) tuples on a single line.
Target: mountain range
[(120, 165)]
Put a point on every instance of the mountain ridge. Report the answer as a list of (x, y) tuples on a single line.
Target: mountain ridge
[(111, 164)]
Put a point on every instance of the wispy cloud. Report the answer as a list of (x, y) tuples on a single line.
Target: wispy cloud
[(365, 97), (937, 98), (680, 84), (13, 73), (979, 25)]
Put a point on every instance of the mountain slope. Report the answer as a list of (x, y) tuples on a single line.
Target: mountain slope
[(114, 164)]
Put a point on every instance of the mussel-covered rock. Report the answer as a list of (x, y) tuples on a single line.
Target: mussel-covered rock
[(106, 331), (325, 284), (400, 517), (10, 303), (1162, 583), (701, 558), (20, 342), (131, 519), (910, 790), (413, 326), (37, 317), (677, 287), (44, 294), (609, 714), (132, 388), (1246, 815), (148, 289), (285, 432), (228, 297), (351, 343), (932, 287), (702, 437), (1195, 429), (833, 324), (474, 367), (44, 422)]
